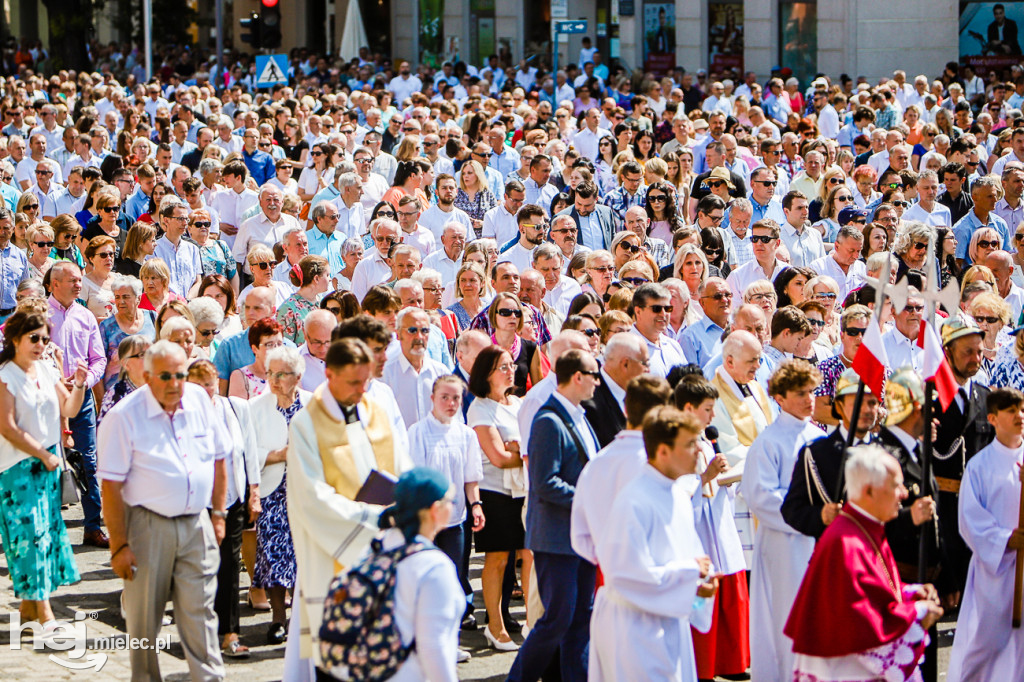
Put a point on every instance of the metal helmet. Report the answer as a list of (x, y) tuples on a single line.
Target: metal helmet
[(848, 382), (904, 393)]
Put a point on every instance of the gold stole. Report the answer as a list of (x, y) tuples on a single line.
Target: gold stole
[(739, 409), (332, 438)]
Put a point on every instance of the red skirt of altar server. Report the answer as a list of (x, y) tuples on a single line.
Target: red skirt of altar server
[(725, 649)]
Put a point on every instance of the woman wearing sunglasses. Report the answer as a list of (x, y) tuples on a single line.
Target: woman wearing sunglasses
[(865, 177), (662, 211), (625, 247), (854, 323), (833, 180), (214, 253), (912, 248), (825, 291), (992, 314), (600, 271), (898, 199), (209, 316), (838, 198), (107, 222), (40, 243), (506, 318), (261, 262), (714, 248), (983, 242), (814, 348)]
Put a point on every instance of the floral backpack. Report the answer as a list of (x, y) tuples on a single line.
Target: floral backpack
[(359, 633)]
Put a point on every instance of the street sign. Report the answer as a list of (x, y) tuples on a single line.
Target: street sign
[(571, 26), (271, 69)]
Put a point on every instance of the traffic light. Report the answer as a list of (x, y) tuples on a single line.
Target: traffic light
[(270, 19), (252, 25)]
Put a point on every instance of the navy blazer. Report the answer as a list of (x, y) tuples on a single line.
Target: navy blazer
[(555, 463), (604, 219)]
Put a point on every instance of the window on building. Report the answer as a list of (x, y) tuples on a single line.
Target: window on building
[(798, 38)]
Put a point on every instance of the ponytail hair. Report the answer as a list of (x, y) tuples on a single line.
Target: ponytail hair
[(303, 272)]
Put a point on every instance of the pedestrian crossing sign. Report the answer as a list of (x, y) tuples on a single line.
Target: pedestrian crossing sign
[(271, 69)]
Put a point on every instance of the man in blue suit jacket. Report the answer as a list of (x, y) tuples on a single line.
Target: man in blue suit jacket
[(594, 221), (561, 443)]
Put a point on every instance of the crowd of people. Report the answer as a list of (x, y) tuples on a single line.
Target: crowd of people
[(600, 326)]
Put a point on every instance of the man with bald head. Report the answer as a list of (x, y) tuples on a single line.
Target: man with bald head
[(742, 411), (235, 352), (317, 328), (703, 338), (1001, 264), (532, 291), (749, 318), (625, 357)]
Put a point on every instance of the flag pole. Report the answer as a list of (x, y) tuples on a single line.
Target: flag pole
[(932, 283), (858, 400)]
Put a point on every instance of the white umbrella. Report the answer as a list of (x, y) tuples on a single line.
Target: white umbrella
[(354, 35)]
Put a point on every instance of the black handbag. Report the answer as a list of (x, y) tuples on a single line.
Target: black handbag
[(72, 476)]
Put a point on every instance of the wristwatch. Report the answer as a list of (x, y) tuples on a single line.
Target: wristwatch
[(478, 503), (221, 514)]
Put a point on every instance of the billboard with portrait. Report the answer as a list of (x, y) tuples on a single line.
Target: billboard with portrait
[(725, 36), (659, 37), (989, 33)]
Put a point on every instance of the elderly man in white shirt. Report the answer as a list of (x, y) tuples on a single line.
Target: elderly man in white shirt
[(448, 259), (266, 227), (374, 269), (411, 373), (162, 460), (844, 264), (900, 342), (559, 289), (317, 328)]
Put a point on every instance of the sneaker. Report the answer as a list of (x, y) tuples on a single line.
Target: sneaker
[(463, 656)]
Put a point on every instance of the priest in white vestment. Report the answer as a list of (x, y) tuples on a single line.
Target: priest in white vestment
[(657, 576), (986, 647), (780, 553)]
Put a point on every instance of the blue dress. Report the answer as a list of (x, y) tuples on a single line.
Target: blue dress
[(275, 553)]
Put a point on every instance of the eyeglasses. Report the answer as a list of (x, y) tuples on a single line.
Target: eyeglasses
[(105, 254), (36, 338), (636, 281), (510, 312), (44, 245), (986, 319), (108, 209), (167, 376), (262, 265), (657, 197), (657, 309), (761, 297), (279, 376), (632, 248), (913, 308), (855, 331), (986, 244), (408, 213), (206, 333), (761, 239), (720, 296)]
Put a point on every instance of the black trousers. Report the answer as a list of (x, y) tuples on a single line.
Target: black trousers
[(225, 603)]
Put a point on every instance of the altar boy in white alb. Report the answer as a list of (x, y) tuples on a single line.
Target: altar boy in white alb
[(780, 553), (657, 576), (986, 647)]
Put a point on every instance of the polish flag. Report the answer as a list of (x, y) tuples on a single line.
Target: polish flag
[(870, 360), (936, 368)]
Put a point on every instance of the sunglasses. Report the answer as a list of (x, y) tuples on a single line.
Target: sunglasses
[(835, 181), (206, 333), (715, 184), (385, 214), (893, 185), (202, 224), (761, 239), (766, 183), (924, 245), (986, 319), (820, 324), (108, 209), (827, 295), (44, 245), (913, 308), (36, 338), (31, 207), (596, 373), (657, 197), (510, 312), (636, 281), (720, 296), (658, 309), (632, 248), (1019, 237), (901, 204), (986, 244), (262, 265), (167, 376), (856, 331), (845, 200), (712, 250), (591, 333), (105, 254)]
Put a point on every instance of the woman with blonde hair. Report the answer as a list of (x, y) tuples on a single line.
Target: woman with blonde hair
[(408, 149), (473, 196), (838, 198), (40, 244), (833, 178), (691, 266), (825, 291), (469, 289), (156, 281), (138, 245), (600, 271), (992, 314), (96, 293), (613, 322), (977, 273), (984, 241)]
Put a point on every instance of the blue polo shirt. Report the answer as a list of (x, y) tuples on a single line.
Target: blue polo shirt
[(260, 165), (701, 340), (971, 223), (328, 246)]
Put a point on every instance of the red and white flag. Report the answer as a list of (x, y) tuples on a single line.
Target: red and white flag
[(936, 368), (870, 360)]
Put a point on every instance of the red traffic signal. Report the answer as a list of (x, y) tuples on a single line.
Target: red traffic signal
[(269, 3)]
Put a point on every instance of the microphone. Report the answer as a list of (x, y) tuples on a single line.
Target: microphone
[(711, 433)]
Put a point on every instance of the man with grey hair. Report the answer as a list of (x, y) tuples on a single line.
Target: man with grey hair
[(844, 264), (565, 235), (374, 268), (559, 288), (703, 338), (352, 217), (929, 211), (411, 372), (266, 227), (500, 222), (295, 245), (1001, 265), (448, 259), (323, 238), (1010, 208), (374, 184), (163, 541), (181, 255), (317, 328), (625, 357), (985, 194), (737, 229)]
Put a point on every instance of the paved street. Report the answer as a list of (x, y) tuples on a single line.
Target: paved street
[(98, 594)]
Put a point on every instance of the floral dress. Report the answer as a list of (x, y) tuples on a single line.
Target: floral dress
[(483, 202), (216, 258), (292, 314), (275, 553)]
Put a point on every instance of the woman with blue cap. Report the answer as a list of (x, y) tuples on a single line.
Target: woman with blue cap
[(429, 600)]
